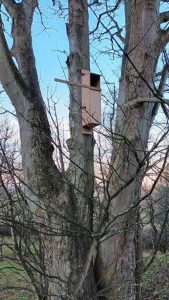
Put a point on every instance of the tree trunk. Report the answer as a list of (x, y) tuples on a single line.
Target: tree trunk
[(80, 175), (116, 259), (61, 204)]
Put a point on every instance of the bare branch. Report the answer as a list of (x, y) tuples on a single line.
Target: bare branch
[(137, 100), (85, 268), (10, 78), (164, 17), (10, 6), (164, 37), (112, 10), (32, 3), (164, 75)]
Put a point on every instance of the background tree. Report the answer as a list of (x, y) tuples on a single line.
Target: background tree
[(156, 216)]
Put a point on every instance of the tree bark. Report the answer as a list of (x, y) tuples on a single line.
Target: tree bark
[(116, 259), (80, 174), (61, 204), (42, 180)]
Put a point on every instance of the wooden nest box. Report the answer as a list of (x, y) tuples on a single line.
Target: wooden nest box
[(91, 100)]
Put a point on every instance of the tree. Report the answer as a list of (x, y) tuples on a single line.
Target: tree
[(62, 203), (144, 42), (157, 208)]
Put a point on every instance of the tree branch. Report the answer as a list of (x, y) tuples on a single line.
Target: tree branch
[(32, 3), (10, 77), (162, 83), (164, 75), (134, 102), (112, 10), (163, 79), (85, 268), (22, 86), (10, 6), (164, 17), (164, 37)]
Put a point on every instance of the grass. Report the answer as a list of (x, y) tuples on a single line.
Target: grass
[(14, 281), (15, 284), (155, 284)]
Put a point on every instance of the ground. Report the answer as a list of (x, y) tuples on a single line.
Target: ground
[(155, 285), (155, 282)]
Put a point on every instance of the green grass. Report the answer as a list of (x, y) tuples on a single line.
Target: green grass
[(14, 282), (155, 283)]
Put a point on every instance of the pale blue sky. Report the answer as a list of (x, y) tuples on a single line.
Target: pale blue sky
[(48, 46)]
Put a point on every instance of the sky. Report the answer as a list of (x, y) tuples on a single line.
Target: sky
[(51, 47), (50, 44)]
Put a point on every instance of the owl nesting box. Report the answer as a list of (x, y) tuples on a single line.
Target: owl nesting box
[(91, 100)]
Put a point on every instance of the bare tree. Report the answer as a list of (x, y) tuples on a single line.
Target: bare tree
[(137, 105), (80, 257)]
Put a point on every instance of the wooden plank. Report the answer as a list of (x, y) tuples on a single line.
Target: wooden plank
[(85, 99), (91, 105), (95, 107), (77, 84)]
